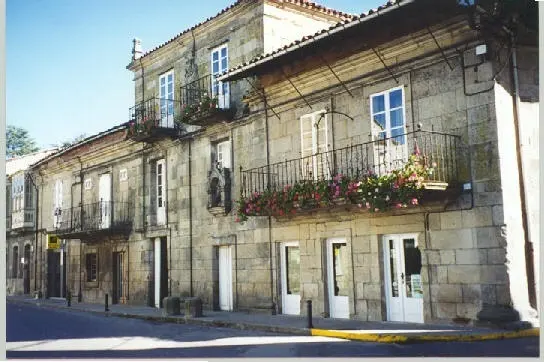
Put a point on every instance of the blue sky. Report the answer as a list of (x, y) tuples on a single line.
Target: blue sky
[(66, 59)]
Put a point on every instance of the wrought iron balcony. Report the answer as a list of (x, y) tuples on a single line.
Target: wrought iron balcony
[(153, 119), (88, 220), (205, 101), (437, 153)]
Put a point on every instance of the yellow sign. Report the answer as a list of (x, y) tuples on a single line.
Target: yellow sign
[(53, 242)]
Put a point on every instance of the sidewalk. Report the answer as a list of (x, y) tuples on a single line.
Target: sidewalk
[(385, 332)]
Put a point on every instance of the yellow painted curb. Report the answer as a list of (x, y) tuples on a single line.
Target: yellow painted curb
[(395, 338)]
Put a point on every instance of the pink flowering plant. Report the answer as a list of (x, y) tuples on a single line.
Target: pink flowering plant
[(397, 189)]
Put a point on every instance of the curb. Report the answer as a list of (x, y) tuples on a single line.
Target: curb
[(399, 338), (354, 336), (177, 320)]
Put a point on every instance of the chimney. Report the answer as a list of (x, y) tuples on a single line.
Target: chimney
[(136, 49)]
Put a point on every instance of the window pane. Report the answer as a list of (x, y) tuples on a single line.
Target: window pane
[(162, 81), (170, 77), (378, 104), (397, 118), (223, 52), (340, 269), (412, 269), (397, 135), (379, 120), (170, 88), (292, 255), (215, 56), (224, 64), (395, 98), (215, 67)]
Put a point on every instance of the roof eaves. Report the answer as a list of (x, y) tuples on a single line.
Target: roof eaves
[(80, 143), (305, 41)]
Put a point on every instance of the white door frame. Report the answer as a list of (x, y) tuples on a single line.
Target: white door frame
[(338, 305), (161, 191), (104, 194), (401, 308), (157, 273), (225, 278), (290, 302)]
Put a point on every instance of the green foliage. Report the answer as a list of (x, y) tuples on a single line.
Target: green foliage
[(206, 105), (18, 142)]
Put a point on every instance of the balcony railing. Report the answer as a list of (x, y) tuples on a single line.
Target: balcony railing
[(154, 117), (96, 217), (205, 101), (437, 150)]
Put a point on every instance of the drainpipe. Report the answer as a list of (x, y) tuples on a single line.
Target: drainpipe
[(81, 259), (36, 236), (525, 224), (273, 306), (190, 223)]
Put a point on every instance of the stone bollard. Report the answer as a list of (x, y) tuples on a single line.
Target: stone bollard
[(193, 307), (68, 299), (171, 306)]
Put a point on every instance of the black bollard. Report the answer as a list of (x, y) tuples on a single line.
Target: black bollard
[(309, 308), (106, 303), (68, 299)]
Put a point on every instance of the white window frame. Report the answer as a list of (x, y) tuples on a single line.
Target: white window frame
[(314, 117), (88, 184), (387, 110), (222, 92), (166, 99), (222, 154), (161, 219), (123, 174)]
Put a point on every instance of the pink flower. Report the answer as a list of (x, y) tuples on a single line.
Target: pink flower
[(360, 205), (414, 201), (367, 205), (398, 205), (376, 209)]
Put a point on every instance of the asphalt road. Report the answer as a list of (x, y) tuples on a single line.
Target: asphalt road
[(40, 332)]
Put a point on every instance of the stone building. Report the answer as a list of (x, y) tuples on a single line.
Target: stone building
[(438, 81), (21, 227), (119, 202), (287, 142)]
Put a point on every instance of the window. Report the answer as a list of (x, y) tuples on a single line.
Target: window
[(220, 64), (314, 139), (88, 184), (91, 267), (222, 155), (17, 192), (123, 175), (15, 262), (387, 111), (166, 95), (28, 195), (161, 191)]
